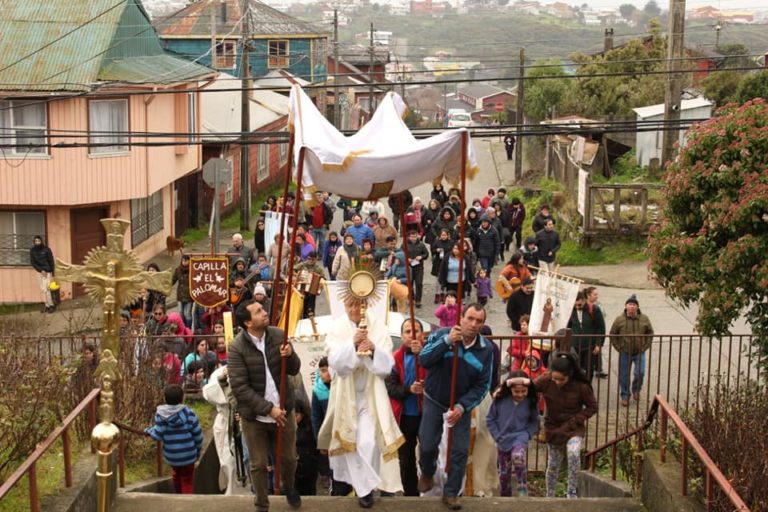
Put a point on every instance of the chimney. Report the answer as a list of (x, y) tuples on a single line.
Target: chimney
[(765, 60), (223, 11), (608, 40)]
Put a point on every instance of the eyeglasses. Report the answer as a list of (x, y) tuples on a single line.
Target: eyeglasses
[(157, 313)]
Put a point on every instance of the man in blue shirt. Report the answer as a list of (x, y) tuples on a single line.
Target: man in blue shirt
[(360, 231), (473, 380)]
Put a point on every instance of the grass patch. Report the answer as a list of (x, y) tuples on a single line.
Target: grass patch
[(625, 169), (232, 221), (15, 309), (50, 477), (573, 254), (205, 412)]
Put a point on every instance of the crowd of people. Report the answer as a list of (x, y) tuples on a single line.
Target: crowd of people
[(375, 411)]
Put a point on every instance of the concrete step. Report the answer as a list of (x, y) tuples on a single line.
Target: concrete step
[(149, 502)]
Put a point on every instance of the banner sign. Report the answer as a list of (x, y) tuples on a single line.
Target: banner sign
[(272, 227), (310, 352), (553, 301), (209, 280)]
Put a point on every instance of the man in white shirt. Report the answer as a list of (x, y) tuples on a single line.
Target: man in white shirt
[(254, 360)]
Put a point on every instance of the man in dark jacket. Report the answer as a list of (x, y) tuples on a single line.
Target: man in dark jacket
[(41, 258), (520, 303), (254, 359), (548, 242), (394, 205), (588, 326), (417, 255), (541, 218), (516, 212), (473, 380), (486, 244)]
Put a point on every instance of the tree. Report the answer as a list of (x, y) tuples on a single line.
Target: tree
[(652, 9), (712, 239), (627, 11), (615, 82), (543, 94), (754, 85), (721, 87)]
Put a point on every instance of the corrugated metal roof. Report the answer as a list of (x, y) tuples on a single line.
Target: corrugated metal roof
[(110, 40), (195, 21), (154, 69), (69, 64), (658, 110)]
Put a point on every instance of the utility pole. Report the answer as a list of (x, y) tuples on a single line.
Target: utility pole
[(213, 34), (520, 119), (674, 92), (245, 122), (370, 77), (336, 90), (718, 28)]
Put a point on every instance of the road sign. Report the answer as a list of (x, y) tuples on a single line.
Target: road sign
[(217, 168), (209, 280)]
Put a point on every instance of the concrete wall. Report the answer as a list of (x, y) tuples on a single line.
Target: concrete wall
[(662, 487), (81, 497), (593, 485)]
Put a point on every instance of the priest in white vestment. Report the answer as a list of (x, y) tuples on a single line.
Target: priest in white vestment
[(360, 431)]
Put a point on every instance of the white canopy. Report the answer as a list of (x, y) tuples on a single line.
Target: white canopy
[(381, 159)]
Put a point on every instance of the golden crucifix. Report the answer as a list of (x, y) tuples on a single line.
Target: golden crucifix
[(114, 277)]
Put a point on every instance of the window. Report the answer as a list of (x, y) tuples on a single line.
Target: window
[(146, 217), (263, 162), (192, 117), (226, 54), (17, 234), (283, 153), (319, 52), (229, 186), (24, 122), (278, 54), (108, 122)]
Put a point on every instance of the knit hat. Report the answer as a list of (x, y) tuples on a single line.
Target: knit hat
[(485, 218), (259, 289), (633, 299), (527, 281)]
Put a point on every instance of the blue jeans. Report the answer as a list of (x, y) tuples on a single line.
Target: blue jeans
[(486, 264), (625, 362), (319, 235), (185, 308), (430, 433)]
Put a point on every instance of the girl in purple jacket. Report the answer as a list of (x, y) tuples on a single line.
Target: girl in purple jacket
[(513, 420)]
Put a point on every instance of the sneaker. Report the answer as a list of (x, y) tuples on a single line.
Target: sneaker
[(452, 502), (636, 396), (293, 498), (602, 375), (426, 483)]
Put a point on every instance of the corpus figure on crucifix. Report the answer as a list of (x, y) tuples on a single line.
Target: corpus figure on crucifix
[(114, 277)]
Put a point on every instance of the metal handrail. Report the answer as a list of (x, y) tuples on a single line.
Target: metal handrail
[(29, 466), (661, 407), (121, 452)]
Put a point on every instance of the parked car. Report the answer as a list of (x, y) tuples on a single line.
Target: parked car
[(460, 121)]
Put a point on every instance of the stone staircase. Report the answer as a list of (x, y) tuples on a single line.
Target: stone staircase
[(151, 502)]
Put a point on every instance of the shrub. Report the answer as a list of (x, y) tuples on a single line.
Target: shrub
[(731, 424)]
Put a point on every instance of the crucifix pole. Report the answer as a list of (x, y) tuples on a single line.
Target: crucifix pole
[(113, 276)]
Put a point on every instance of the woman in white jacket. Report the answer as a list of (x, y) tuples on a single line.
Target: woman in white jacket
[(216, 393), (342, 262)]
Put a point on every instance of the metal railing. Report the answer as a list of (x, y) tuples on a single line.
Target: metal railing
[(665, 412), (121, 451), (29, 466)]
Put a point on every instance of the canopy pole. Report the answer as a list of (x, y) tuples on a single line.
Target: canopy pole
[(283, 221), (287, 302), (409, 281), (460, 291)]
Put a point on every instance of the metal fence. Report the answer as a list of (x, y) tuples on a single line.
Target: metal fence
[(678, 367)]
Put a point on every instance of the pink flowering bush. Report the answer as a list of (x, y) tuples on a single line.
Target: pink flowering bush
[(711, 245)]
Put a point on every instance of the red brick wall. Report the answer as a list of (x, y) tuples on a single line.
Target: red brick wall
[(275, 177)]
